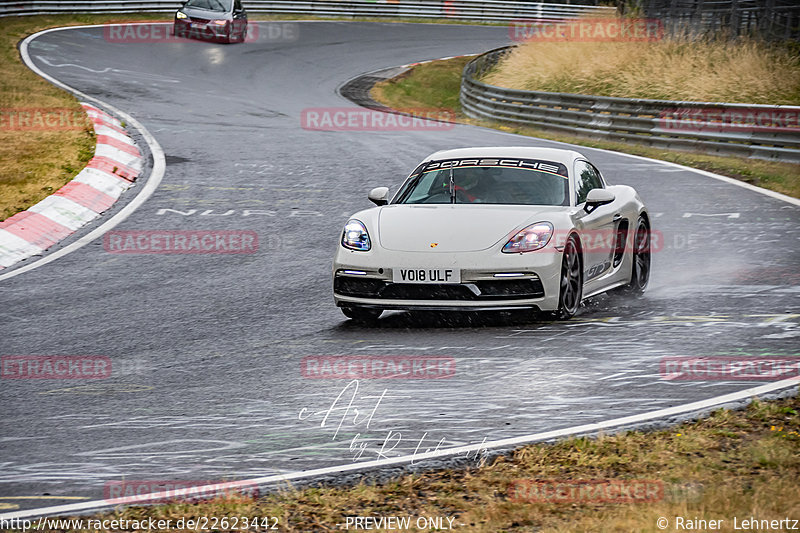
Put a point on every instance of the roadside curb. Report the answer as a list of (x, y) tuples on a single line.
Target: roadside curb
[(117, 162)]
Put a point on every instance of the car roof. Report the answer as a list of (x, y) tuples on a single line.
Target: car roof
[(527, 152)]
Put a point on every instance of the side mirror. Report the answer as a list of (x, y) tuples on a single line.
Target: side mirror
[(379, 195), (598, 197)]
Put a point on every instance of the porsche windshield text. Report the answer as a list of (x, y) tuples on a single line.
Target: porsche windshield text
[(487, 181)]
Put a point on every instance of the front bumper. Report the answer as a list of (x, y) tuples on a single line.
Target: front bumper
[(365, 279), (211, 31)]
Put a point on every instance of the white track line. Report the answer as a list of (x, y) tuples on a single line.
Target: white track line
[(726, 179), (156, 175)]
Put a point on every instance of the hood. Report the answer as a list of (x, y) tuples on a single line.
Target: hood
[(205, 14), (454, 228)]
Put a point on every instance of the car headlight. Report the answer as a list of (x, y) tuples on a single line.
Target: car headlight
[(220, 22), (355, 236), (180, 15), (531, 238)]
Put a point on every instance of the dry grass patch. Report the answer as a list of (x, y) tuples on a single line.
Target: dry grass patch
[(672, 69)]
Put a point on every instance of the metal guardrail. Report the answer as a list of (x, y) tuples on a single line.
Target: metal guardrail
[(718, 128), (472, 10)]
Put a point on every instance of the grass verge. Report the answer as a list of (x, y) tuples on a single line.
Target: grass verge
[(436, 85), (733, 464)]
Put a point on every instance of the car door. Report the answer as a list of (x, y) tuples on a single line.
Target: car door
[(599, 225)]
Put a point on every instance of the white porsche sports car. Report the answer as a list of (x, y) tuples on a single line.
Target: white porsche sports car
[(493, 228)]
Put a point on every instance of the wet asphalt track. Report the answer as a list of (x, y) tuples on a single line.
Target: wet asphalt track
[(206, 350)]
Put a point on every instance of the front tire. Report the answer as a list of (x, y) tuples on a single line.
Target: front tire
[(640, 269), (571, 281), (362, 314)]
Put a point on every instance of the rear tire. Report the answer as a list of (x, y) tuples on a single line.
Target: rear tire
[(571, 281), (362, 314), (640, 269)]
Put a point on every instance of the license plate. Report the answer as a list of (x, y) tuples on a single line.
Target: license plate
[(198, 25), (426, 275)]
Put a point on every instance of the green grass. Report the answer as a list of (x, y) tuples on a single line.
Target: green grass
[(430, 85), (437, 84)]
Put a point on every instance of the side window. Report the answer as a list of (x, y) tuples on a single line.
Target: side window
[(586, 179)]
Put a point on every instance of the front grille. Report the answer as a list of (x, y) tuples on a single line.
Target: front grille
[(427, 291), (358, 287), (488, 290), (512, 288)]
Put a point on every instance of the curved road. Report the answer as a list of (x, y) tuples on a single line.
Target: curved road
[(206, 349)]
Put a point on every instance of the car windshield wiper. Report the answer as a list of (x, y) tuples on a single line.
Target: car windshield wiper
[(452, 187)]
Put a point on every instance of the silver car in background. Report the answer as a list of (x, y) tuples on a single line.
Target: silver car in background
[(213, 20)]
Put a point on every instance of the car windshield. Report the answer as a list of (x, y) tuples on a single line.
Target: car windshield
[(211, 5), (492, 181)]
